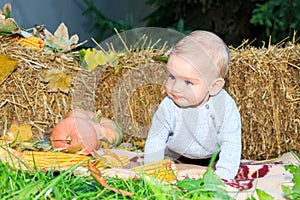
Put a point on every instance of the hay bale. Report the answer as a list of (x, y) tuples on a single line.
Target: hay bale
[(263, 81), (24, 95), (265, 84), (131, 96)]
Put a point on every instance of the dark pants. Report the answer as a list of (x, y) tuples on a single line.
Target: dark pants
[(201, 162)]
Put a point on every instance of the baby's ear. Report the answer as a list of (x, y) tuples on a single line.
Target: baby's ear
[(217, 85)]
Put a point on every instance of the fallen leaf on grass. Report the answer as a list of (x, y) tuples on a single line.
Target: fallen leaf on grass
[(57, 80), (96, 174)]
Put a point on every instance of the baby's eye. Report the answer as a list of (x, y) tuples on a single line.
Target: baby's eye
[(188, 82), (171, 77)]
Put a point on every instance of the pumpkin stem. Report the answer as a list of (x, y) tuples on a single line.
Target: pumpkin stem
[(97, 116), (69, 140)]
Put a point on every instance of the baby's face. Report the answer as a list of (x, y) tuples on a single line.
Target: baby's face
[(185, 85)]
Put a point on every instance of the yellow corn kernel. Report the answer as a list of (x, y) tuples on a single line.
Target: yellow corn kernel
[(53, 160), (33, 42), (164, 170)]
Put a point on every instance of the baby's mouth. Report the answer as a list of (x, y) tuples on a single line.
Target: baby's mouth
[(175, 97)]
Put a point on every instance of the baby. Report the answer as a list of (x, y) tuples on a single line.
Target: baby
[(198, 117)]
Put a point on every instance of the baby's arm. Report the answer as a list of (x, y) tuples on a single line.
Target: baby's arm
[(230, 149), (158, 134)]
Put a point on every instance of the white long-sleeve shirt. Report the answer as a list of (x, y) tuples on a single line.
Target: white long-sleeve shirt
[(198, 132)]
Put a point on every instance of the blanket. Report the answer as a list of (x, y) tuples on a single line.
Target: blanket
[(268, 175)]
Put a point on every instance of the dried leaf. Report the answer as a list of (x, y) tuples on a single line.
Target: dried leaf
[(73, 149), (6, 24), (94, 58), (112, 159), (60, 40), (91, 60), (29, 146), (6, 10), (7, 66), (58, 80), (96, 174), (62, 32), (19, 133), (43, 145), (40, 145)]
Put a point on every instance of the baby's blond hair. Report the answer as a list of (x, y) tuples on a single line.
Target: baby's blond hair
[(211, 44)]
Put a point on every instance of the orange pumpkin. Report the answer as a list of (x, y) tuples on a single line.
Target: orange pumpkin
[(74, 131), (108, 127), (82, 128)]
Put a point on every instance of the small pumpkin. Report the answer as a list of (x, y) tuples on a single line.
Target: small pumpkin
[(86, 130), (109, 126), (110, 131), (75, 131)]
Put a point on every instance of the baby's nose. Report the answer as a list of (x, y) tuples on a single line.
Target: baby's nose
[(177, 86)]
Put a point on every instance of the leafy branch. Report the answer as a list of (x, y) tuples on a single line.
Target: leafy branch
[(102, 24)]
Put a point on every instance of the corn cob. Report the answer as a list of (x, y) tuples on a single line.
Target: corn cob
[(164, 170), (53, 160), (33, 42)]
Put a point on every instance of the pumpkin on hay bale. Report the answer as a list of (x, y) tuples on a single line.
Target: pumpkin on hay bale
[(263, 81)]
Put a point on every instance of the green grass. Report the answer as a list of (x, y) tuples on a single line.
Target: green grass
[(16, 184), (64, 185)]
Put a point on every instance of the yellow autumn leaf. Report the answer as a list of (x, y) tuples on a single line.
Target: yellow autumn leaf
[(103, 58), (19, 133), (91, 59), (58, 80), (7, 66), (94, 58)]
